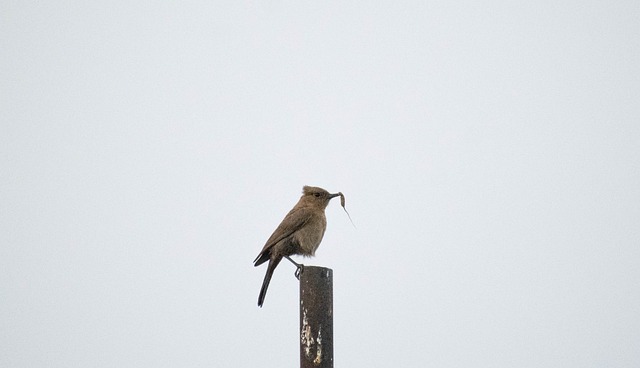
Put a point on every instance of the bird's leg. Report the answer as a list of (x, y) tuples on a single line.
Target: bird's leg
[(299, 267)]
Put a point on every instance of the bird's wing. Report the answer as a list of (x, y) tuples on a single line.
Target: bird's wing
[(294, 220)]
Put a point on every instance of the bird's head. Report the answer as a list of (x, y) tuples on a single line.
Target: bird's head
[(317, 196)]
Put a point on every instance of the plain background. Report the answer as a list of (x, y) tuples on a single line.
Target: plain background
[(488, 151)]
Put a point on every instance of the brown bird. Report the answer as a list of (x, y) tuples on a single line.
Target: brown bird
[(300, 232)]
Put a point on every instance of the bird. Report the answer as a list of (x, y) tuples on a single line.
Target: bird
[(300, 232)]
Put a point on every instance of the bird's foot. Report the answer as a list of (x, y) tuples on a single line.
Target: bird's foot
[(299, 267)]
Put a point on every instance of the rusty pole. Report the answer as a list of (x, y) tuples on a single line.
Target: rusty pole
[(316, 317)]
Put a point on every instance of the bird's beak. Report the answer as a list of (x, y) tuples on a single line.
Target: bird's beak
[(334, 195)]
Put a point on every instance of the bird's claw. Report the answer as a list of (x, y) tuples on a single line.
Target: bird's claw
[(299, 267)]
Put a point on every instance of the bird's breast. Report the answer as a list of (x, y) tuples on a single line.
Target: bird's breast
[(310, 235)]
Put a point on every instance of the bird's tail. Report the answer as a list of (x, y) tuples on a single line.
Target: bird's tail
[(273, 263)]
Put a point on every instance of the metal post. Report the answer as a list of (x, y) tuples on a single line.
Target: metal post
[(316, 317)]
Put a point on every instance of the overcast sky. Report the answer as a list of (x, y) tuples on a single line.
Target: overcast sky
[(489, 152)]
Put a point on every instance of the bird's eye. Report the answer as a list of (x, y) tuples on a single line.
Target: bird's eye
[(317, 195)]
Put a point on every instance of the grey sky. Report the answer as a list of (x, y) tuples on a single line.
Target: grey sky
[(488, 151)]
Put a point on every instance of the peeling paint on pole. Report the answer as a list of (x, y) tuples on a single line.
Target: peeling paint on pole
[(306, 339), (316, 317)]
